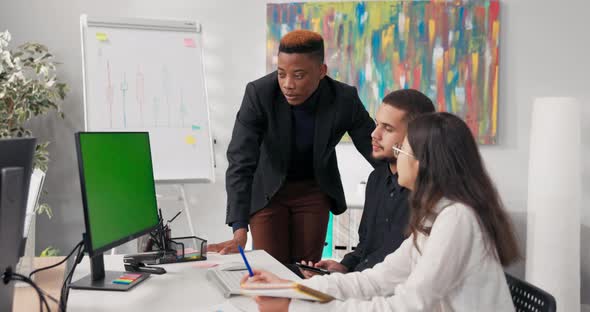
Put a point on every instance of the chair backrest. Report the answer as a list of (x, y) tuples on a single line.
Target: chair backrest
[(528, 298)]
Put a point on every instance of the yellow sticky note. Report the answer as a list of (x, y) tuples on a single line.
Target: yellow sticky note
[(101, 36), (190, 140)]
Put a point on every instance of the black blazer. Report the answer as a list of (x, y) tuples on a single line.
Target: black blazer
[(260, 147)]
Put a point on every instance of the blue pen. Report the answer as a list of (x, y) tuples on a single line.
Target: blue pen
[(246, 261)]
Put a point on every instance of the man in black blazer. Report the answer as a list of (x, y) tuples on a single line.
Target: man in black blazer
[(283, 176)]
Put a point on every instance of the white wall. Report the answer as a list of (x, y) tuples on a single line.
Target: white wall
[(545, 51)]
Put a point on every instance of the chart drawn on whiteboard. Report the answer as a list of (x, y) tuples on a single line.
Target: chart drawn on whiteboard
[(139, 94), (120, 105), (124, 88), (147, 75), (110, 94)]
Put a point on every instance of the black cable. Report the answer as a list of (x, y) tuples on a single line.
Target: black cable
[(8, 276), (59, 263), (65, 288), (48, 295), (42, 299)]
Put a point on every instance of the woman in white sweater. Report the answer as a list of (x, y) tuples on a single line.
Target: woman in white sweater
[(460, 237)]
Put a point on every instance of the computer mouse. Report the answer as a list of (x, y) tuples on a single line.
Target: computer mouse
[(232, 266)]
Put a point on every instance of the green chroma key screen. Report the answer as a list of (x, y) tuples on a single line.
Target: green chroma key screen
[(118, 180)]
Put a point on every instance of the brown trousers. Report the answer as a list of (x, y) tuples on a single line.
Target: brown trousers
[(292, 227)]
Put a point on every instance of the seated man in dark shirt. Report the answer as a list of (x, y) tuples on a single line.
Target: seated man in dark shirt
[(386, 213)]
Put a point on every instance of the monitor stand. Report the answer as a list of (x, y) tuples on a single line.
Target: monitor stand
[(109, 280)]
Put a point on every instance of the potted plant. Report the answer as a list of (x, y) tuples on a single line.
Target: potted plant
[(28, 88)]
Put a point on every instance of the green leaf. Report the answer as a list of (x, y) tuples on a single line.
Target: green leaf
[(44, 209), (50, 252)]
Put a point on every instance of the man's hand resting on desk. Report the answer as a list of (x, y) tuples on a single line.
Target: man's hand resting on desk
[(329, 265), (231, 246)]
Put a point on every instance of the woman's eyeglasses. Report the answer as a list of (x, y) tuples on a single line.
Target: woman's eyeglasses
[(397, 148)]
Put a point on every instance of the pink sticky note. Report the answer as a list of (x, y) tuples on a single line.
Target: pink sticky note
[(189, 43), (132, 275), (205, 265)]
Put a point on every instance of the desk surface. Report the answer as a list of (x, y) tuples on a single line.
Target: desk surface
[(183, 288), (26, 298)]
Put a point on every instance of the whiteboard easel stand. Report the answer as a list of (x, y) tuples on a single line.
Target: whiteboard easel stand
[(186, 209), (160, 25)]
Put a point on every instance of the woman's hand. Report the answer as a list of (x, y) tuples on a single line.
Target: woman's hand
[(268, 304), (263, 277), (272, 304)]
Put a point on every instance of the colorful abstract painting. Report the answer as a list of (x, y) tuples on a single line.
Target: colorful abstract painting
[(448, 50)]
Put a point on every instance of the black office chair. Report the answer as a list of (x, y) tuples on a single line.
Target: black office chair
[(528, 298)]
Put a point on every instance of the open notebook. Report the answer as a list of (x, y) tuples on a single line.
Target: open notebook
[(285, 290), (228, 283)]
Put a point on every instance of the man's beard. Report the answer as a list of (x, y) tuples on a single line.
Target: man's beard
[(390, 160)]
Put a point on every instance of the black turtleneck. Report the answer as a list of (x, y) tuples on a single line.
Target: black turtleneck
[(302, 134)]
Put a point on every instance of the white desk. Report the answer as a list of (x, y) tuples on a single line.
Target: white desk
[(183, 288)]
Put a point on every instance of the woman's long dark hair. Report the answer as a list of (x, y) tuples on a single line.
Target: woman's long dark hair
[(451, 167)]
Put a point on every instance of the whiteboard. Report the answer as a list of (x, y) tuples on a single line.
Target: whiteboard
[(148, 75)]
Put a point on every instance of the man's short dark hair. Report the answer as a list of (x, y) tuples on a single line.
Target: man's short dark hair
[(303, 41), (411, 101)]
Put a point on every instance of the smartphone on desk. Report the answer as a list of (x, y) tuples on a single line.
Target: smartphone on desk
[(312, 269)]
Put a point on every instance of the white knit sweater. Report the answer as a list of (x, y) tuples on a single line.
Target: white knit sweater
[(453, 272)]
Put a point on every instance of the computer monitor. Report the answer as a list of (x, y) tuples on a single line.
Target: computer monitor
[(16, 162), (15, 153), (119, 198)]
